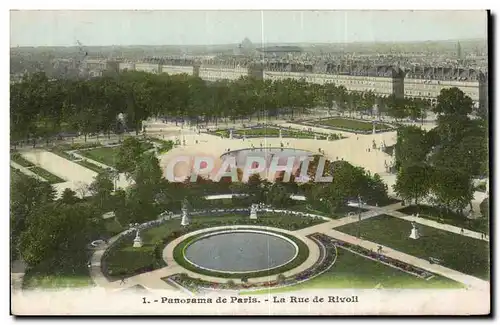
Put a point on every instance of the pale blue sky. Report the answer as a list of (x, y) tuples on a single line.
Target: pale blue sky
[(63, 28)]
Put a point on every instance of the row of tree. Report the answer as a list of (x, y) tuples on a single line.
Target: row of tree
[(42, 108), (443, 162)]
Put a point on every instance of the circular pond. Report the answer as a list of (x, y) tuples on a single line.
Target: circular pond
[(282, 155), (240, 251)]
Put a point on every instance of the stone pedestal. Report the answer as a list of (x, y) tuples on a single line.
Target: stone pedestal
[(374, 131), (231, 134)]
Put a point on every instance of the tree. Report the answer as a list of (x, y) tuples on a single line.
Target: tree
[(412, 146), (451, 189), (27, 194), (101, 189), (453, 101), (376, 191), (413, 182), (57, 233), (69, 196), (396, 107), (484, 207), (147, 170), (278, 196), (128, 155)]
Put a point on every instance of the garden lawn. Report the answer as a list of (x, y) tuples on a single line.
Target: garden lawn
[(450, 217), (127, 261), (351, 124), (87, 164), (104, 155), (51, 178), (461, 253), (354, 271), (17, 158), (81, 162)]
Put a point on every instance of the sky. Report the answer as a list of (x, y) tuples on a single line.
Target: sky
[(94, 28)]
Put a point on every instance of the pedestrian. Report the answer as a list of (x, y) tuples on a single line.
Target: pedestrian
[(122, 281), (462, 231)]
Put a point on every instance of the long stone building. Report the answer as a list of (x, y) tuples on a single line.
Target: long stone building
[(383, 80)]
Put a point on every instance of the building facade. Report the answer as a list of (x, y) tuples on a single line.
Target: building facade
[(427, 82), (382, 80)]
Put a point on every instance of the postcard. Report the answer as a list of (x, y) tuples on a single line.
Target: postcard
[(249, 163)]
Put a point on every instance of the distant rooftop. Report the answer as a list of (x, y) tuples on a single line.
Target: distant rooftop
[(283, 49)]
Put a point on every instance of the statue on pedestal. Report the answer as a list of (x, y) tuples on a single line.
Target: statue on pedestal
[(281, 136), (137, 239), (253, 211), (231, 134), (414, 231), (185, 215)]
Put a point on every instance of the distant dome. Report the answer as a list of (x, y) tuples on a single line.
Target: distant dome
[(247, 44)]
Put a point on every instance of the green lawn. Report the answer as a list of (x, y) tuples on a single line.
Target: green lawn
[(83, 163), (464, 254), (62, 153), (354, 271), (127, 261), (104, 155), (90, 166), (17, 158), (449, 217), (51, 178), (351, 124)]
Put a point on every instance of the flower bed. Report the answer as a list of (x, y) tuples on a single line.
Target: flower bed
[(405, 267), (272, 131), (360, 128)]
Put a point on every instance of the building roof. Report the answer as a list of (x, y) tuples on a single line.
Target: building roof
[(282, 49)]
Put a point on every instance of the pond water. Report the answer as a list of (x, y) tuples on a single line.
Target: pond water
[(240, 251), (282, 154)]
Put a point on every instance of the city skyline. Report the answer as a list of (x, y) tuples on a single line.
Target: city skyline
[(183, 28)]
